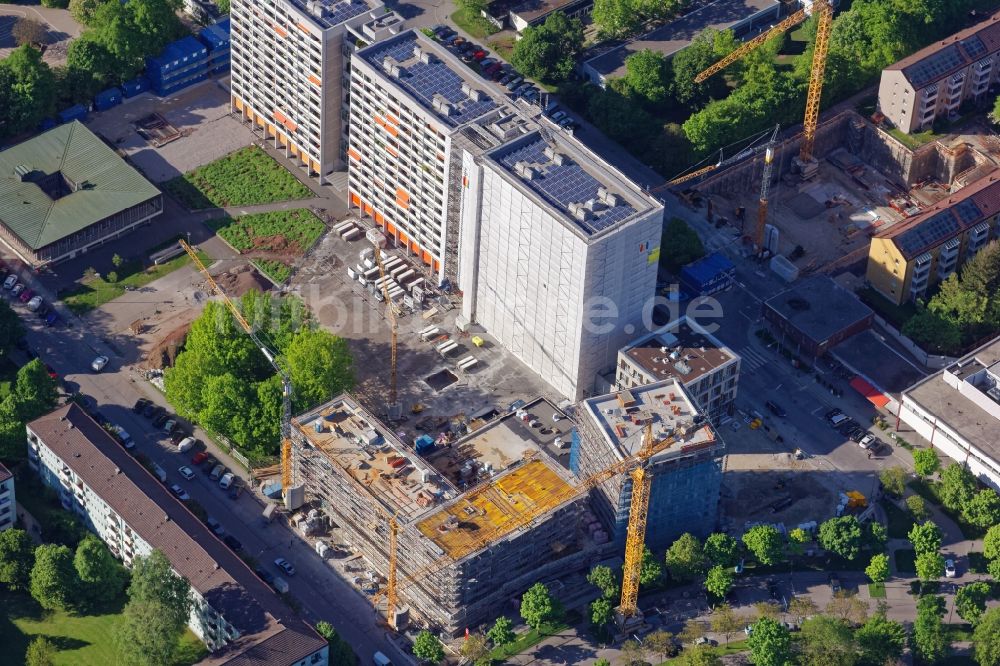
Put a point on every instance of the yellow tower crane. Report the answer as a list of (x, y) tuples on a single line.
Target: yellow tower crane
[(817, 71), (287, 479)]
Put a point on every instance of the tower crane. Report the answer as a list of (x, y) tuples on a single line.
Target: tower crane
[(634, 465), (765, 188), (820, 49), (393, 410), (272, 358)]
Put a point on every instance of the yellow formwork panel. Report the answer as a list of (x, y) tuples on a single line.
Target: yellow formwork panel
[(493, 509)]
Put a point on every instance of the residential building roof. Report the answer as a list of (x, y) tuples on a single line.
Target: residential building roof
[(679, 351), (212, 569), (331, 13), (944, 58), (62, 181), (948, 218), (4, 473), (670, 38), (819, 307)]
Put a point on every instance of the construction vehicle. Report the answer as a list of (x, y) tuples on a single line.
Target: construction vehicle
[(287, 475), (805, 162), (393, 409), (634, 465)]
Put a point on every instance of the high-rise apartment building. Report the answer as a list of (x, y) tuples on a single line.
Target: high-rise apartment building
[(288, 63), (8, 504)]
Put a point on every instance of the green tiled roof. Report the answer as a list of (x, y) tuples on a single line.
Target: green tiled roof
[(105, 185)]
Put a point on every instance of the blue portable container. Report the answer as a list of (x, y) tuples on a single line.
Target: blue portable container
[(75, 112), (708, 275), (46, 124), (135, 86), (177, 58), (107, 99)]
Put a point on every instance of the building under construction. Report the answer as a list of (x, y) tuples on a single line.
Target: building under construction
[(465, 546)]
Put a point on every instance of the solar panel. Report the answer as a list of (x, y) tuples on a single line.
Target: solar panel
[(334, 13), (968, 212), (935, 66), (974, 46), (928, 233)]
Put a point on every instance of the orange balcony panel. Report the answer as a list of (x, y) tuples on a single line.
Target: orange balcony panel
[(367, 208), (390, 129), (379, 219), (315, 80), (415, 248), (401, 237), (315, 166), (293, 149), (278, 29), (353, 154), (238, 103), (303, 28), (392, 119), (355, 199), (426, 256), (379, 121), (402, 194), (440, 157), (391, 229), (391, 151), (437, 265)]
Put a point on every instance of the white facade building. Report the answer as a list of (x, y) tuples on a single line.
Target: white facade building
[(8, 503), (237, 616), (558, 256), (958, 411)]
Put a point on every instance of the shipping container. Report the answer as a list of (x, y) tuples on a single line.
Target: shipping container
[(419, 282), (351, 234), (399, 270), (371, 273), (135, 87), (107, 99), (404, 276), (343, 226), (216, 36), (391, 263), (75, 112), (177, 57)]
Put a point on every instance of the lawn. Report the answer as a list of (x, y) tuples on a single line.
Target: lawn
[(81, 639), (246, 177), (528, 639), (914, 140), (278, 271), (900, 521), (96, 290), (906, 561), (285, 232), (471, 22)]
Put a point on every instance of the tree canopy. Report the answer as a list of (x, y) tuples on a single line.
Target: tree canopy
[(17, 556), (970, 601), (926, 461), (765, 542), (930, 637), (101, 577), (156, 613), (926, 537), (721, 549), (685, 558), (27, 90), (502, 632), (826, 641), (537, 606), (679, 245), (841, 535), (647, 77), (930, 566), (548, 52), (878, 569), (986, 638), (605, 579), (719, 580), (770, 643), (880, 640), (53, 578), (428, 648)]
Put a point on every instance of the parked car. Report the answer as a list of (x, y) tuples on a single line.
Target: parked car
[(949, 569), (186, 472), (285, 566), (776, 409), (558, 115), (169, 425), (867, 442), (739, 567), (26, 295), (858, 435), (514, 83), (237, 489), (9, 283), (180, 493), (18, 288), (479, 55), (217, 472), (139, 406), (209, 465), (152, 410), (215, 526), (832, 413), (199, 458), (233, 543), (226, 480), (99, 363), (160, 419), (186, 445), (52, 318), (847, 427), (264, 575)]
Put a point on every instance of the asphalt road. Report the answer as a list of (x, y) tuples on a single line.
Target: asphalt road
[(322, 593)]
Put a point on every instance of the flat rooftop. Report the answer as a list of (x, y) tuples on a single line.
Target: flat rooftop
[(354, 440), (534, 9), (501, 443), (432, 76), (678, 351), (676, 35), (577, 183), (819, 307), (492, 509), (959, 412), (330, 13), (622, 419)]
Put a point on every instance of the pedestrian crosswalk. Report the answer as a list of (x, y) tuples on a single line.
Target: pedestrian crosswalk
[(752, 359)]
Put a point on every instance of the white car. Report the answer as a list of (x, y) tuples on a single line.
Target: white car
[(226, 480), (186, 472), (180, 492), (10, 282), (185, 444), (35, 303), (949, 569), (99, 363), (867, 441)]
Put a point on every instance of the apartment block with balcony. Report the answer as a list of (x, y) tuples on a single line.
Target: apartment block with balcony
[(905, 259), (8, 503), (935, 81), (684, 351), (239, 618), (288, 62)]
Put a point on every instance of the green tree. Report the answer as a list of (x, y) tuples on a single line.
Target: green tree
[(474, 648), (918, 507), (878, 569), (17, 556), (874, 536), (83, 10), (719, 580), (606, 580), (893, 480), (958, 486), (925, 537), (679, 245), (798, 538), (53, 579), (319, 365), (153, 580), (926, 461), (223, 6), (647, 76), (991, 543), (930, 566), (826, 641), (880, 640), (699, 656), (32, 87), (633, 653), (601, 612), (983, 510), (341, 653), (721, 549), (934, 332), (770, 643), (970, 601), (662, 643), (615, 18), (725, 621), (765, 542), (930, 638), (41, 652), (428, 648), (651, 570), (841, 536), (548, 52), (986, 638), (995, 112), (708, 46), (502, 632), (35, 391), (102, 578), (685, 558), (145, 635), (537, 606), (29, 31), (602, 662), (11, 329)]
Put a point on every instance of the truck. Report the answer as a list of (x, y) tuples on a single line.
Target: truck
[(281, 585)]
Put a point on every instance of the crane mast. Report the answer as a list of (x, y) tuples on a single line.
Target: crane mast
[(393, 409)]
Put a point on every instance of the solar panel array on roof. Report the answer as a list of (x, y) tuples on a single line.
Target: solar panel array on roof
[(928, 233), (425, 80), (564, 184), (968, 212), (333, 13), (935, 66), (973, 46)]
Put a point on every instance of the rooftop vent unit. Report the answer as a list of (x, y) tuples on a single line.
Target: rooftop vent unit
[(472, 93), (442, 105), (606, 196), (316, 8), (423, 56), (682, 367), (579, 211), (524, 170)]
